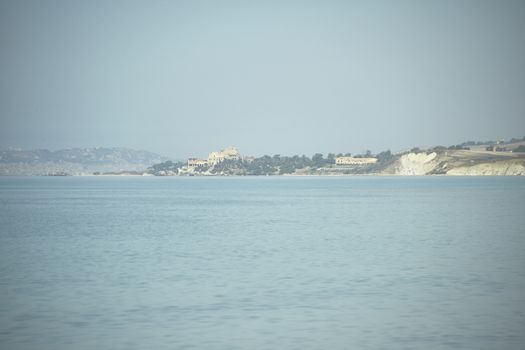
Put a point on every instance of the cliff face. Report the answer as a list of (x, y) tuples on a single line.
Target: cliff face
[(414, 164), (458, 163), (491, 169)]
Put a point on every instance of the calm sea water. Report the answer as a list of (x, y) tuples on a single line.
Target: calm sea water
[(262, 263)]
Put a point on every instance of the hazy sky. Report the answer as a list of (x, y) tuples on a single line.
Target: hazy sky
[(182, 78)]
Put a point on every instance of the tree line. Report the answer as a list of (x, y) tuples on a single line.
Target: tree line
[(266, 165)]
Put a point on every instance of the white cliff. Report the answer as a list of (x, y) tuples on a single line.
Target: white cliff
[(415, 164), (505, 168)]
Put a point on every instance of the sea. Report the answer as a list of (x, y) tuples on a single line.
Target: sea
[(262, 263)]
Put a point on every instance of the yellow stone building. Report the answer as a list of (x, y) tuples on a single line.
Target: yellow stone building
[(216, 157)]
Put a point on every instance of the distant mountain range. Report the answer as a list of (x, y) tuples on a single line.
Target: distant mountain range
[(75, 161)]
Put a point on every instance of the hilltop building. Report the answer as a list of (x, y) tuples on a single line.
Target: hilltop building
[(228, 153), (354, 161), (216, 157)]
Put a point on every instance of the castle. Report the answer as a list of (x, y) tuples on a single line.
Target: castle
[(216, 157)]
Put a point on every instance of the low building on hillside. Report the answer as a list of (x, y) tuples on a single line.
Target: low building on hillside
[(354, 161), (197, 163)]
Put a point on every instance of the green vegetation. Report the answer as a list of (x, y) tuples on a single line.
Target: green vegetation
[(281, 165), (268, 165), (459, 147), (520, 148), (166, 168)]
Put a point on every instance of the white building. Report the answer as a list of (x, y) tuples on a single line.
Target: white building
[(197, 163), (354, 161)]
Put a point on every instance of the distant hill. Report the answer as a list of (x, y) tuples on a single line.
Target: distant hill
[(75, 161)]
